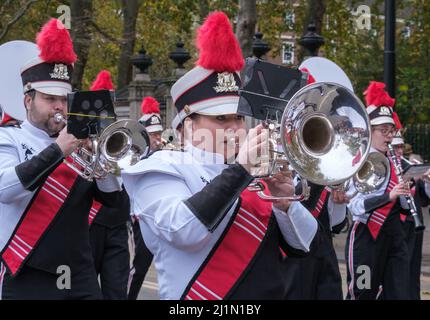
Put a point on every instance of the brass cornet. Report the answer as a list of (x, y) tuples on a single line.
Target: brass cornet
[(120, 145)]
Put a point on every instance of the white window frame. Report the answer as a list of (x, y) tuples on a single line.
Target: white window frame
[(291, 43)]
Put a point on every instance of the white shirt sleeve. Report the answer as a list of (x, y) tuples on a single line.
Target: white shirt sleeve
[(404, 202), (109, 184), (336, 211), (427, 188), (11, 188), (157, 199), (356, 203), (298, 226)]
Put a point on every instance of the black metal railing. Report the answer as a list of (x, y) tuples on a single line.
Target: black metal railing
[(418, 136)]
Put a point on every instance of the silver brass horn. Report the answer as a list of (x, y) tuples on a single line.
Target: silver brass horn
[(120, 145), (13, 55), (324, 135), (373, 174)]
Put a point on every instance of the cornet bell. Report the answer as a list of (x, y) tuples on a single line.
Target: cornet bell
[(122, 144)]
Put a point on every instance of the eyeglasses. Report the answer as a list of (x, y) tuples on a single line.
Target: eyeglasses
[(386, 131)]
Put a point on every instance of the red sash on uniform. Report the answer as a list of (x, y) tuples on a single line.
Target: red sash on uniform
[(234, 252), (320, 203), (93, 211), (377, 218), (38, 216)]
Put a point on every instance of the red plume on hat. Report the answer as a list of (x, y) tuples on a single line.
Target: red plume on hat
[(102, 82), (311, 79), (55, 43), (218, 47), (377, 96), (150, 105), (397, 121)]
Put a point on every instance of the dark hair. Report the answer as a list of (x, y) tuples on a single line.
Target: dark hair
[(31, 94), (192, 116)]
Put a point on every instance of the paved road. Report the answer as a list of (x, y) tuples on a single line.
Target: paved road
[(149, 289)]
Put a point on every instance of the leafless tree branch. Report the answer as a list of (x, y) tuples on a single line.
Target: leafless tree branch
[(18, 16), (105, 34)]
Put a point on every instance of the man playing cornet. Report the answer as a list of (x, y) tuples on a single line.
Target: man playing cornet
[(44, 204)]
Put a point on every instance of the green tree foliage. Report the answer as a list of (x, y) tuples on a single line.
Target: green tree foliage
[(161, 23), (28, 24), (413, 77), (361, 52), (271, 21)]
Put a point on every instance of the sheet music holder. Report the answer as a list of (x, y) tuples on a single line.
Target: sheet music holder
[(89, 112), (267, 87), (415, 171)]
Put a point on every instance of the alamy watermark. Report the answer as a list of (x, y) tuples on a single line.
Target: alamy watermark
[(64, 281), (363, 19), (65, 18), (364, 278)]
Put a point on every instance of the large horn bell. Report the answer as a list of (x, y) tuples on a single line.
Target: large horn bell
[(325, 70), (13, 55), (325, 133)]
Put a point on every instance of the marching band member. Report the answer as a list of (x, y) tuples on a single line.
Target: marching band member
[(211, 237), (414, 239), (109, 233), (44, 204), (317, 276), (376, 251), (151, 119)]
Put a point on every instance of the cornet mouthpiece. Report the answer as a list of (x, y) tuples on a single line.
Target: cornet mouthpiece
[(59, 118)]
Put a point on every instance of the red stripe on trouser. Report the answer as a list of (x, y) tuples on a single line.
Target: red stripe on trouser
[(2, 274), (351, 260)]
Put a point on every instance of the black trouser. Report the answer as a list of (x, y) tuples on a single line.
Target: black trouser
[(386, 258), (112, 259), (34, 284), (414, 242), (315, 276), (141, 262)]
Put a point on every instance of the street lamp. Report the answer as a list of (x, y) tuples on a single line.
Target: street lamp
[(142, 61), (180, 55), (311, 41), (259, 46)]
